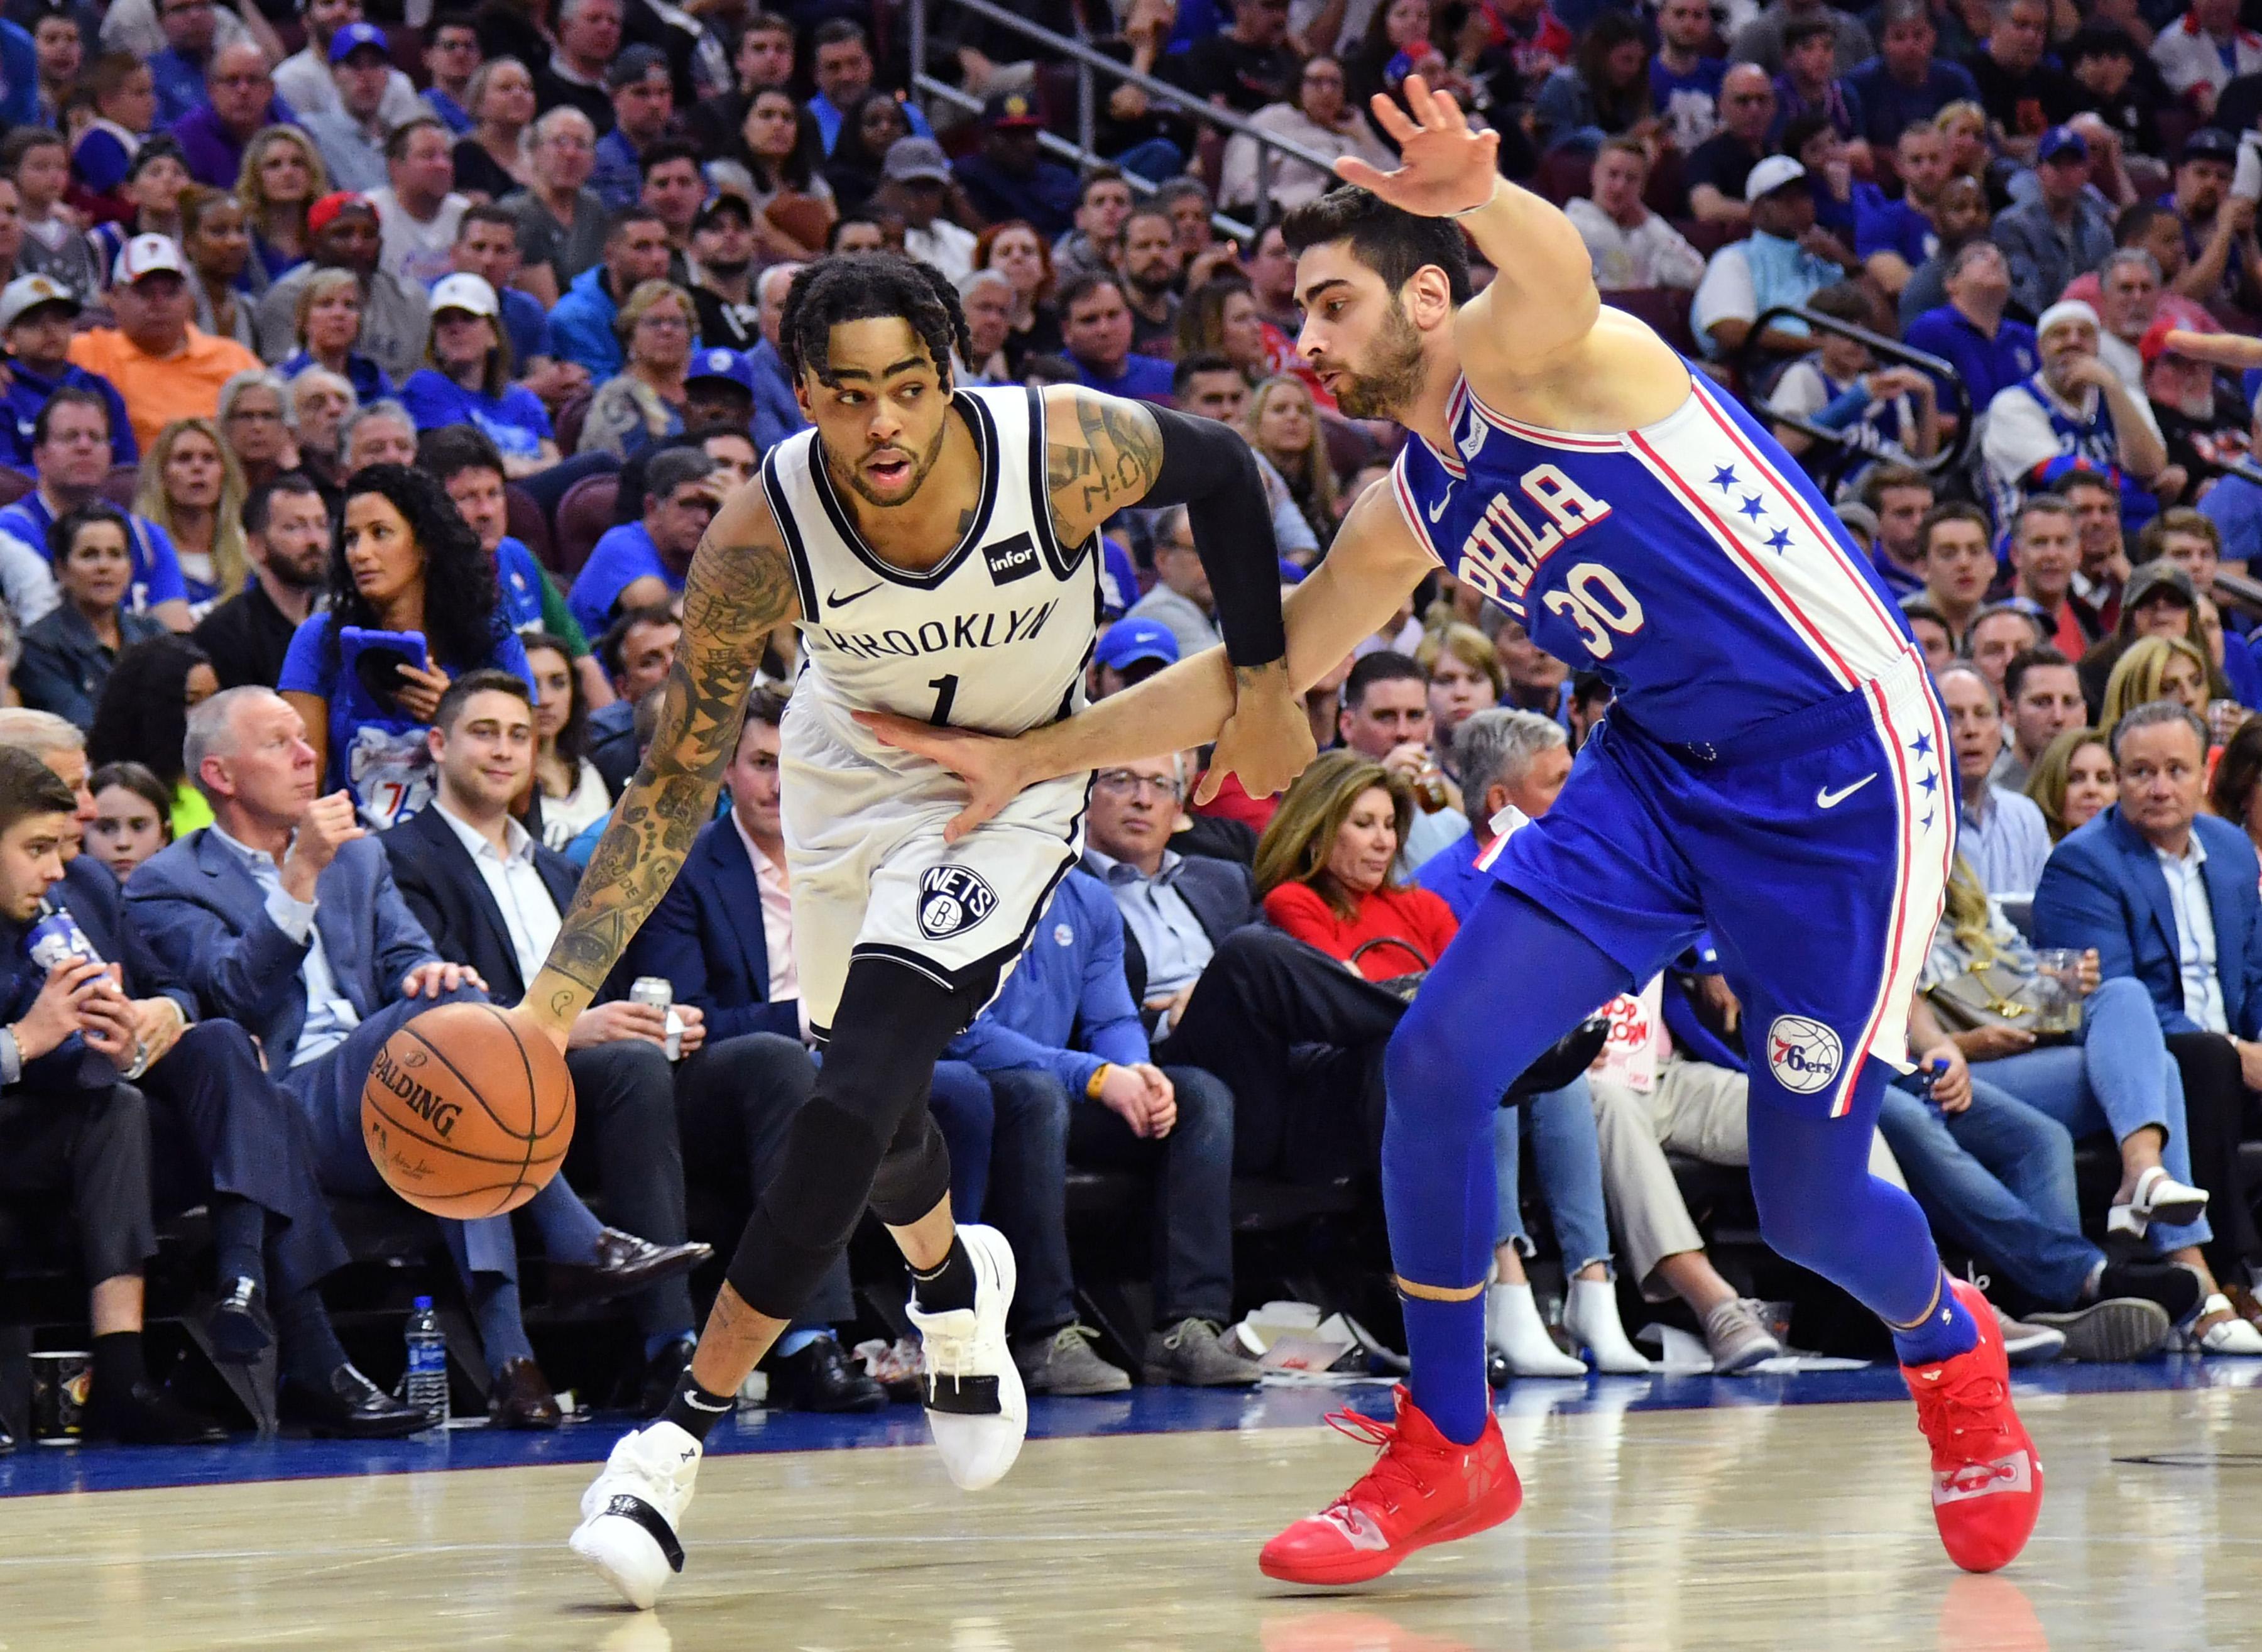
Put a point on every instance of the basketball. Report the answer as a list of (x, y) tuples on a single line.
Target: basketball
[(467, 1111)]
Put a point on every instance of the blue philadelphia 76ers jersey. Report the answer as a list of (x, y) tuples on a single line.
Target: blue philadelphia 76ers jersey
[(1691, 563)]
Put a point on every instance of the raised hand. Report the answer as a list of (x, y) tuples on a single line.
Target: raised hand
[(1444, 165), (2221, 350)]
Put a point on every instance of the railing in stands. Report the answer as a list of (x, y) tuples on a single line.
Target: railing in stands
[(1090, 64), (1750, 360)]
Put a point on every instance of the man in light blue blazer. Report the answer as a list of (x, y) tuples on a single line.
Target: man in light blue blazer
[(2167, 895), (283, 916)]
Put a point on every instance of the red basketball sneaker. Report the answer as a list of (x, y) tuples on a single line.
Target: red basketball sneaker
[(1987, 1480), (1423, 1490)]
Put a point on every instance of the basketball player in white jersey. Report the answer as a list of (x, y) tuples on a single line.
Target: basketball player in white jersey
[(937, 548)]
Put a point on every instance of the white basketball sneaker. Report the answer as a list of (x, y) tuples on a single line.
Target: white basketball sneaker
[(975, 1400), (630, 1513)]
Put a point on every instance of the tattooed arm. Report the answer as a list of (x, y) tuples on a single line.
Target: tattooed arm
[(739, 589), (1104, 454)]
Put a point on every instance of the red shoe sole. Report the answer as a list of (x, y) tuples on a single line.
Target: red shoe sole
[(1364, 1565)]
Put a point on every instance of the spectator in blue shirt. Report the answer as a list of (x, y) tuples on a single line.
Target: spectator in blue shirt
[(777, 411), (1904, 84), (486, 246), (405, 564), (71, 448), (125, 113), (1969, 332), (178, 71), (37, 313), (1808, 83), (1009, 176), (643, 563), (328, 332), (451, 57), (644, 103), (1068, 1062), (582, 324), (1096, 328), (1893, 238), (841, 61), (1508, 760), (468, 379)]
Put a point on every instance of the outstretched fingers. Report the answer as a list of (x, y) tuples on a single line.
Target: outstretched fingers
[(1351, 169), (1392, 119)]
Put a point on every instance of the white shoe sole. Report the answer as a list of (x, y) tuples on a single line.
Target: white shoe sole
[(977, 1451), (626, 1555)]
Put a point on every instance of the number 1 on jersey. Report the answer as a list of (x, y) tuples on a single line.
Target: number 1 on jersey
[(946, 690)]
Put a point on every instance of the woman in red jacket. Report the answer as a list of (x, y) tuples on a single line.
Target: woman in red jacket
[(1323, 869), (1324, 872)]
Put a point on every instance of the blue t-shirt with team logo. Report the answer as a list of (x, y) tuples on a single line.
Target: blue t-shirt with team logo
[(1689, 103), (516, 421)]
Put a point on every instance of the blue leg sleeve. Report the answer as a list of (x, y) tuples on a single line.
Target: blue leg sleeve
[(1820, 1208), (1514, 980)]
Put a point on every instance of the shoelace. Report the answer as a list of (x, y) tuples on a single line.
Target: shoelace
[(1966, 1417), (1391, 1476), (1068, 1334), (1179, 1333)]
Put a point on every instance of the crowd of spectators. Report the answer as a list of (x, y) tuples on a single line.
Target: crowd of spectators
[(370, 380)]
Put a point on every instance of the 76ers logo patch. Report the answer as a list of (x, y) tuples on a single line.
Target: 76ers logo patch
[(951, 899), (1804, 1055)]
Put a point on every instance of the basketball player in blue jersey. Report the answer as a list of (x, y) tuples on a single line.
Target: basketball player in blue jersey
[(1772, 770)]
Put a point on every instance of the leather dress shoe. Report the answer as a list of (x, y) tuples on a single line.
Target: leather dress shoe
[(239, 1327), (624, 1265), (521, 1398), (661, 1372), (823, 1377), (349, 1406), (146, 1415)]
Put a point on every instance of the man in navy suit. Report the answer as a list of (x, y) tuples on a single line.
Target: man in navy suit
[(68, 1125), (283, 916), (723, 934), (225, 1135), (2168, 895), (489, 894)]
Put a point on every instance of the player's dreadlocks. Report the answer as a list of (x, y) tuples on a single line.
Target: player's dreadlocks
[(857, 287)]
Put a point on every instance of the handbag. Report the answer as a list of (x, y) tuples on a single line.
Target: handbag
[(1563, 1061), (1989, 996), (1399, 987)]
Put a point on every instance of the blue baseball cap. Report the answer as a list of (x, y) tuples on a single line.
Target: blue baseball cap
[(2061, 141), (353, 37), (1129, 641), (722, 364)]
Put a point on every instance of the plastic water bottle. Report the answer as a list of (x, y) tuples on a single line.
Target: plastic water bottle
[(426, 1385)]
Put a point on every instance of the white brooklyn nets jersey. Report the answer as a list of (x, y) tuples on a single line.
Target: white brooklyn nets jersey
[(995, 637)]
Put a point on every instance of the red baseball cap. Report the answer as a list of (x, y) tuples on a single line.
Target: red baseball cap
[(324, 212), (2154, 344)]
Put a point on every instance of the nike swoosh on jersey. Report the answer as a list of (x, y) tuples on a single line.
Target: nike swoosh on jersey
[(1826, 799), (1437, 508), (833, 599)]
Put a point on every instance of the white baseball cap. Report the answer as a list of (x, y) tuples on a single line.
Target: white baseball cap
[(467, 292), (28, 292), (1770, 175), (147, 255)]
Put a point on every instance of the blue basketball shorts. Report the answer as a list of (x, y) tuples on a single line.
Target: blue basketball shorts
[(1815, 850)]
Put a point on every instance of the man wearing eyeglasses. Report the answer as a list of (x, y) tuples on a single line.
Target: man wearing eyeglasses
[(238, 100), (1223, 991)]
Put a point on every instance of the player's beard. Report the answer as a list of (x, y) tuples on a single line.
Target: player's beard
[(919, 468), (1392, 378)]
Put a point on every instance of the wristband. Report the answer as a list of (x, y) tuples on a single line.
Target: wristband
[(1091, 1086), (1467, 212)]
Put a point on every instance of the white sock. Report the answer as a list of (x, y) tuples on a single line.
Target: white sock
[(1591, 1317)]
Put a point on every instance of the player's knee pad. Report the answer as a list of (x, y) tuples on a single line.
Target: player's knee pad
[(914, 1174)]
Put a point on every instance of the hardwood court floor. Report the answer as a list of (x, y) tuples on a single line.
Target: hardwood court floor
[(1742, 1525)]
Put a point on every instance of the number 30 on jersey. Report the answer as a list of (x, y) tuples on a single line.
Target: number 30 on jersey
[(1596, 600)]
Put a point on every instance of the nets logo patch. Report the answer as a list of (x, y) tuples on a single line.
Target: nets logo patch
[(952, 899), (1804, 1055), (1011, 559)]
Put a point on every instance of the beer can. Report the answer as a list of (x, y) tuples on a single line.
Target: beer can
[(60, 1382), (660, 993)]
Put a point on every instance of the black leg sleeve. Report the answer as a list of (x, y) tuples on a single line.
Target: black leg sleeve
[(1208, 467), (862, 1137), (2214, 1097)]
